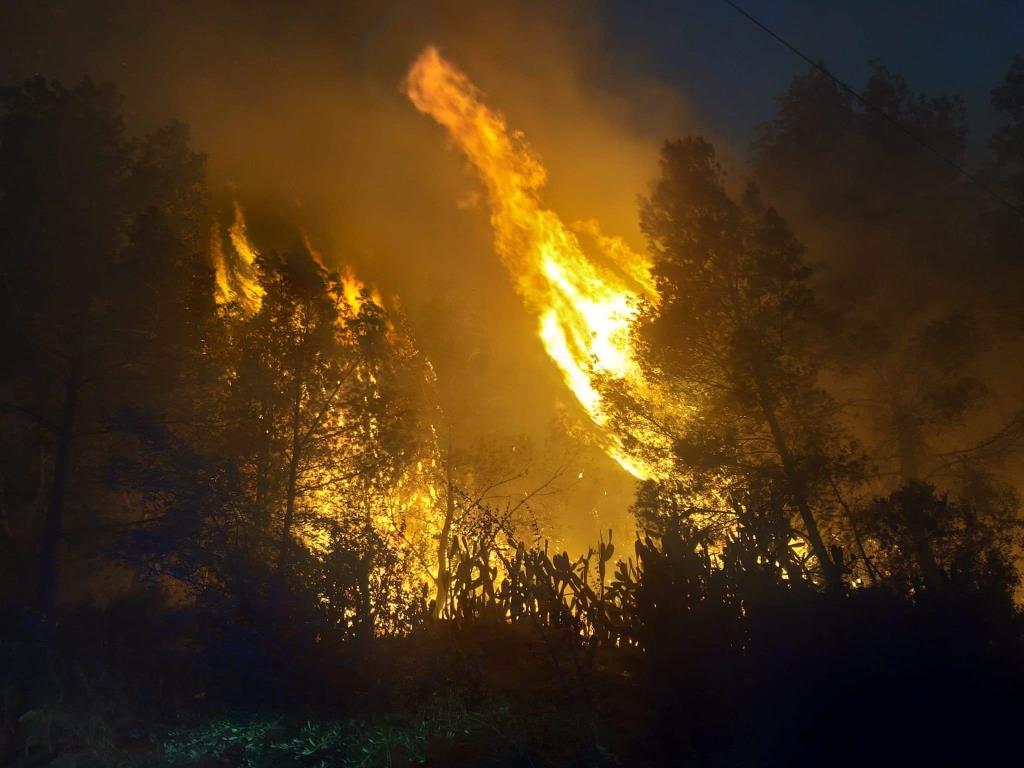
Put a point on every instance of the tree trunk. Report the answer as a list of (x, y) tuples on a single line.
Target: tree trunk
[(921, 546), (919, 512), (48, 576), (833, 579), (367, 623), (906, 430), (908, 441), (293, 475), (263, 473), (783, 552), (858, 539), (444, 577)]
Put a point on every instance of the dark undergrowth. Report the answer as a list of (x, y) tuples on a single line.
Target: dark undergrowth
[(803, 679)]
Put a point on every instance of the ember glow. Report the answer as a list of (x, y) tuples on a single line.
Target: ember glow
[(586, 303)]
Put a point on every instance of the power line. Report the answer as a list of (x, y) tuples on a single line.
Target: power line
[(846, 88)]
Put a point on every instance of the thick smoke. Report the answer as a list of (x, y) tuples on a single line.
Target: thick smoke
[(300, 112)]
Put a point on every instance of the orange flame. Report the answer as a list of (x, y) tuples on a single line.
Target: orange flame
[(313, 252), (235, 273), (355, 294), (585, 306)]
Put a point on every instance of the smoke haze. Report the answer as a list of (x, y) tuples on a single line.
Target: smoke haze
[(301, 114)]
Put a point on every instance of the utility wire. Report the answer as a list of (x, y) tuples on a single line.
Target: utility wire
[(885, 116)]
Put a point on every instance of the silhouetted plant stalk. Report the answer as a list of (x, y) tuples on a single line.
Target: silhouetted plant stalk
[(591, 599)]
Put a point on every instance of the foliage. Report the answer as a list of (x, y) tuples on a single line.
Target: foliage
[(306, 575), (413, 738)]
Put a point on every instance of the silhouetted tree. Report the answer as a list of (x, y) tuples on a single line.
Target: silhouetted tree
[(931, 542), (736, 338), (1007, 144), (855, 183), (105, 291), (907, 262)]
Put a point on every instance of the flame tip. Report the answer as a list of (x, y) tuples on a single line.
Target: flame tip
[(586, 309)]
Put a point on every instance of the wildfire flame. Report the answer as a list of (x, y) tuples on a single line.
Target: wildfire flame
[(402, 506), (355, 294), (235, 272), (585, 306)]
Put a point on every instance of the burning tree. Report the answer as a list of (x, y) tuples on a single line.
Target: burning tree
[(326, 421)]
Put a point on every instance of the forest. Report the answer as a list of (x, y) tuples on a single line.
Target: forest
[(238, 526)]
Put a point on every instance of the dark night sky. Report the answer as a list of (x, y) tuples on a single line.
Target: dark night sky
[(725, 67), (731, 71)]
